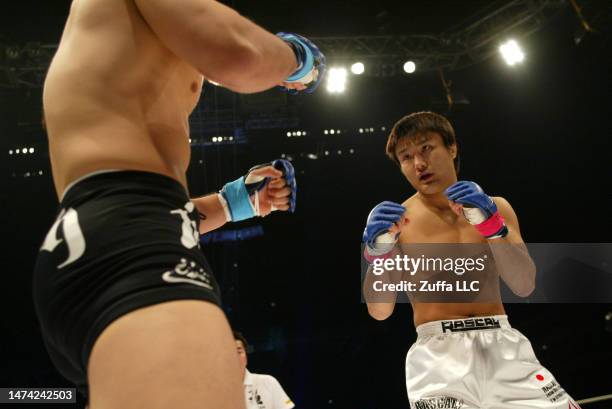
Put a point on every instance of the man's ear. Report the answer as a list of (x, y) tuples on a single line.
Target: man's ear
[(453, 150)]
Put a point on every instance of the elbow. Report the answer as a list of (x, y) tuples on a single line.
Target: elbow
[(525, 291), (527, 288), (378, 313)]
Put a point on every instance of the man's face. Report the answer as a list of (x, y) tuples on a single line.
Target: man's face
[(242, 355), (426, 162)]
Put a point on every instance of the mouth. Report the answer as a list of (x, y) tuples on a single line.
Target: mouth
[(426, 177)]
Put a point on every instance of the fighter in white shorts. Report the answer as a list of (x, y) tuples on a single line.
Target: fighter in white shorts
[(466, 354)]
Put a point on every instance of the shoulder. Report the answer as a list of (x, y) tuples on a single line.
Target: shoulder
[(506, 211), (503, 206), (410, 202), (264, 378)]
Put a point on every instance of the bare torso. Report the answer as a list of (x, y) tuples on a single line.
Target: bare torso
[(429, 226), (115, 97)]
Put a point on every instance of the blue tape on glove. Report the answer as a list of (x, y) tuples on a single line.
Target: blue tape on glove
[(238, 200)]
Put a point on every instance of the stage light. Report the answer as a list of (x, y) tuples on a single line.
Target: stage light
[(312, 156), (511, 52), (410, 67), (360, 130), (332, 132), (336, 80), (299, 133), (358, 68), (10, 152), (326, 132)]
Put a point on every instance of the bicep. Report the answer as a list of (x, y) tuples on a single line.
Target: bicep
[(509, 215), (197, 31)]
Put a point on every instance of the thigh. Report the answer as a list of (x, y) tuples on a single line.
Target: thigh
[(177, 354), (517, 380), (441, 373)]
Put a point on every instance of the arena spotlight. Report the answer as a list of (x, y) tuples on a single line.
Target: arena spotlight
[(336, 80), (409, 67), (358, 68), (511, 52)]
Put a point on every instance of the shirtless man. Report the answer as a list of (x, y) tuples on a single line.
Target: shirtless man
[(466, 354), (128, 306)]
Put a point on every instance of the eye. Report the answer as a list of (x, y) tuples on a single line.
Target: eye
[(406, 157), (426, 148)]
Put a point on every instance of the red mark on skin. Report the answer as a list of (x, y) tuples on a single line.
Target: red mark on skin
[(539, 377)]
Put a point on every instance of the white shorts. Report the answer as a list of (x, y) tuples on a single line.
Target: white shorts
[(478, 363)]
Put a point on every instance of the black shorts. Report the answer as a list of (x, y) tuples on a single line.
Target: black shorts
[(122, 240)]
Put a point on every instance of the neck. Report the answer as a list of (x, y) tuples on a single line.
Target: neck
[(438, 201)]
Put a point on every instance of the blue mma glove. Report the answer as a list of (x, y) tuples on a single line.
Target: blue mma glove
[(478, 208), (240, 198), (311, 62)]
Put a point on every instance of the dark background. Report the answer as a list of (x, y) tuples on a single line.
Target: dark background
[(536, 134)]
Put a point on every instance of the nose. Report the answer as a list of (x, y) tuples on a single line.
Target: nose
[(419, 163)]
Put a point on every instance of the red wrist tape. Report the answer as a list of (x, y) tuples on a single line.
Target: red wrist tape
[(491, 226), (370, 258)]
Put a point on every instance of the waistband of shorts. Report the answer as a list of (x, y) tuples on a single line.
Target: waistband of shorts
[(463, 325), (133, 180)]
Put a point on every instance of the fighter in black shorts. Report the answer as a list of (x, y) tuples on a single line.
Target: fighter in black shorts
[(127, 303), (127, 239)]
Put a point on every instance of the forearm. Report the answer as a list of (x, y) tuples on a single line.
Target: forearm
[(380, 303), (514, 264), (213, 215), (269, 61)]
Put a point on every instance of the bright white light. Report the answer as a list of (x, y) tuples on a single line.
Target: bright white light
[(299, 133), (358, 68), (312, 156), (511, 52), (16, 150), (326, 132), (214, 139), (10, 152), (339, 152), (332, 132), (24, 150), (40, 172), (360, 130), (371, 129), (282, 155), (352, 150), (338, 131), (31, 150), (409, 67), (383, 129), (336, 80), (288, 133), (326, 153), (231, 138), (304, 133)]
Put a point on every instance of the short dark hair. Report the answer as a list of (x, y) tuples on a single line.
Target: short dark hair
[(239, 337), (418, 123)]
